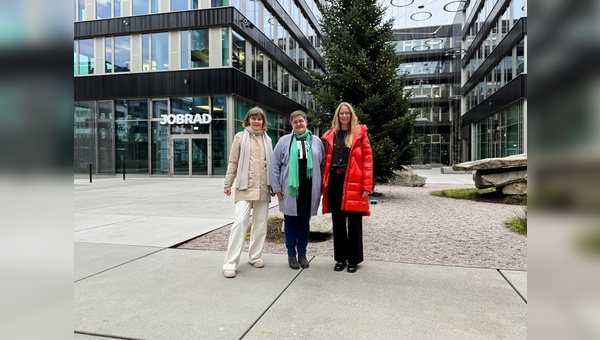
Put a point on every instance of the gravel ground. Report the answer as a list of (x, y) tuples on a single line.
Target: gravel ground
[(410, 226)]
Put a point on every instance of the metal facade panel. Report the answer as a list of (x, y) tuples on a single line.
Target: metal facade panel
[(508, 94), (201, 82)]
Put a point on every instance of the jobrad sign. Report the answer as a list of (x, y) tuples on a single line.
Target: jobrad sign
[(187, 118)]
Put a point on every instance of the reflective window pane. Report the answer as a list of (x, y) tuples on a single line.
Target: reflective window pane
[(238, 55), (225, 46), (145, 52), (159, 149), (84, 134), (219, 135), (108, 55), (86, 56), (199, 48), (140, 7), (179, 5), (103, 9), (122, 54), (185, 50), (160, 51), (219, 3), (106, 138), (131, 109)]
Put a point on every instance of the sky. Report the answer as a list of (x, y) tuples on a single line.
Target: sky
[(402, 15)]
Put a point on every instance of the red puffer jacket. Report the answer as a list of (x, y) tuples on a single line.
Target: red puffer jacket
[(359, 173)]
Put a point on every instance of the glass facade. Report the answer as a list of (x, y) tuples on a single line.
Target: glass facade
[(500, 134), (130, 134)]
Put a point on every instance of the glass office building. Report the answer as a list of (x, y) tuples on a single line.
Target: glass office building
[(431, 74), (161, 86), (468, 82), (494, 79)]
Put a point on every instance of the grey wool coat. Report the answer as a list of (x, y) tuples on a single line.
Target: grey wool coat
[(280, 169)]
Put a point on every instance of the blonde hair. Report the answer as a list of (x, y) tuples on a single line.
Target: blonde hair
[(337, 126), (255, 111)]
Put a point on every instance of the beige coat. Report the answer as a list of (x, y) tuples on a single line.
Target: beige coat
[(259, 170)]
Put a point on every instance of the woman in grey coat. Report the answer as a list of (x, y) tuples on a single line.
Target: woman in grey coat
[(295, 176)]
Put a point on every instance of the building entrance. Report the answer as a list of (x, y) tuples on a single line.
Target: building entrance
[(191, 156)]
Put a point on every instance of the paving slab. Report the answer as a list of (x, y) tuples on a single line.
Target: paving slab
[(385, 300), (84, 220), (155, 212), (152, 231), (518, 279), (93, 258), (178, 294)]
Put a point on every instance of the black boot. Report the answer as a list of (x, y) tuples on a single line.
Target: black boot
[(293, 262), (339, 266), (303, 261)]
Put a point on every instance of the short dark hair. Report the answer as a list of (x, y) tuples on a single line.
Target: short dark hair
[(298, 113)]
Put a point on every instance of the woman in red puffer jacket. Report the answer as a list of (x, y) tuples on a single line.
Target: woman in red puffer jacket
[(347, 183)]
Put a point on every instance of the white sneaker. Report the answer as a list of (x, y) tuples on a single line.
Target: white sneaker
[(229, 273), (258, 263)]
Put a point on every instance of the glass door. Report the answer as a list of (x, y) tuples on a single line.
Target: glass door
[(191, 156)]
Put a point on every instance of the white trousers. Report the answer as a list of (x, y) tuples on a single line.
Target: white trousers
[(260, 214)]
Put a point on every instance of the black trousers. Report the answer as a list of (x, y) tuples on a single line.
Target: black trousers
[(347, 225)]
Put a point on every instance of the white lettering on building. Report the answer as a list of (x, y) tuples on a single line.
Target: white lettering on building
[(187, 118)]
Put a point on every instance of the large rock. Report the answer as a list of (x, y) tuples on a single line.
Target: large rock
[(499, 179), (321, 223), (407, 177), (515, 161), (518, 188)]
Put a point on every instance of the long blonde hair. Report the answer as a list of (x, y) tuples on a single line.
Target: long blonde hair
[(337, 126), (255, 111)]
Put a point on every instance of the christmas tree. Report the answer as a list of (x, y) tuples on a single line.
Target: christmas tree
[(361, 69)]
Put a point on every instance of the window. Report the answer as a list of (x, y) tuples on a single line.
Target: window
[(257, 64), (144, 7), (273, 76), (108, 55), (219, 3), (225, 46), (117, 55), (85, 59), (269, 25), (106, 8), (131, 142), (185, 50), (238, 54), (155, 51), (103, 9), (179, 5), (199, 48), (252, 10), (281, 37)]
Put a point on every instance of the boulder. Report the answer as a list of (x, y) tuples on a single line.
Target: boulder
[(407, 177), (507, 174), (321, 223), (515, 161), (518, 188), (499, 179)]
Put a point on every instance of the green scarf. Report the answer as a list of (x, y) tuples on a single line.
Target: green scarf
[(293, 180)]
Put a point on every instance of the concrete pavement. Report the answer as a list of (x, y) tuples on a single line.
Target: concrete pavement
[(130, 283)]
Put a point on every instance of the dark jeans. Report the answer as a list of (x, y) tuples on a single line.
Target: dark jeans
[(297, 228), (347, 225)]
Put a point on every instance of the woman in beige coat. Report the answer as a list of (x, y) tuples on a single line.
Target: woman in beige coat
[(249, 161)]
